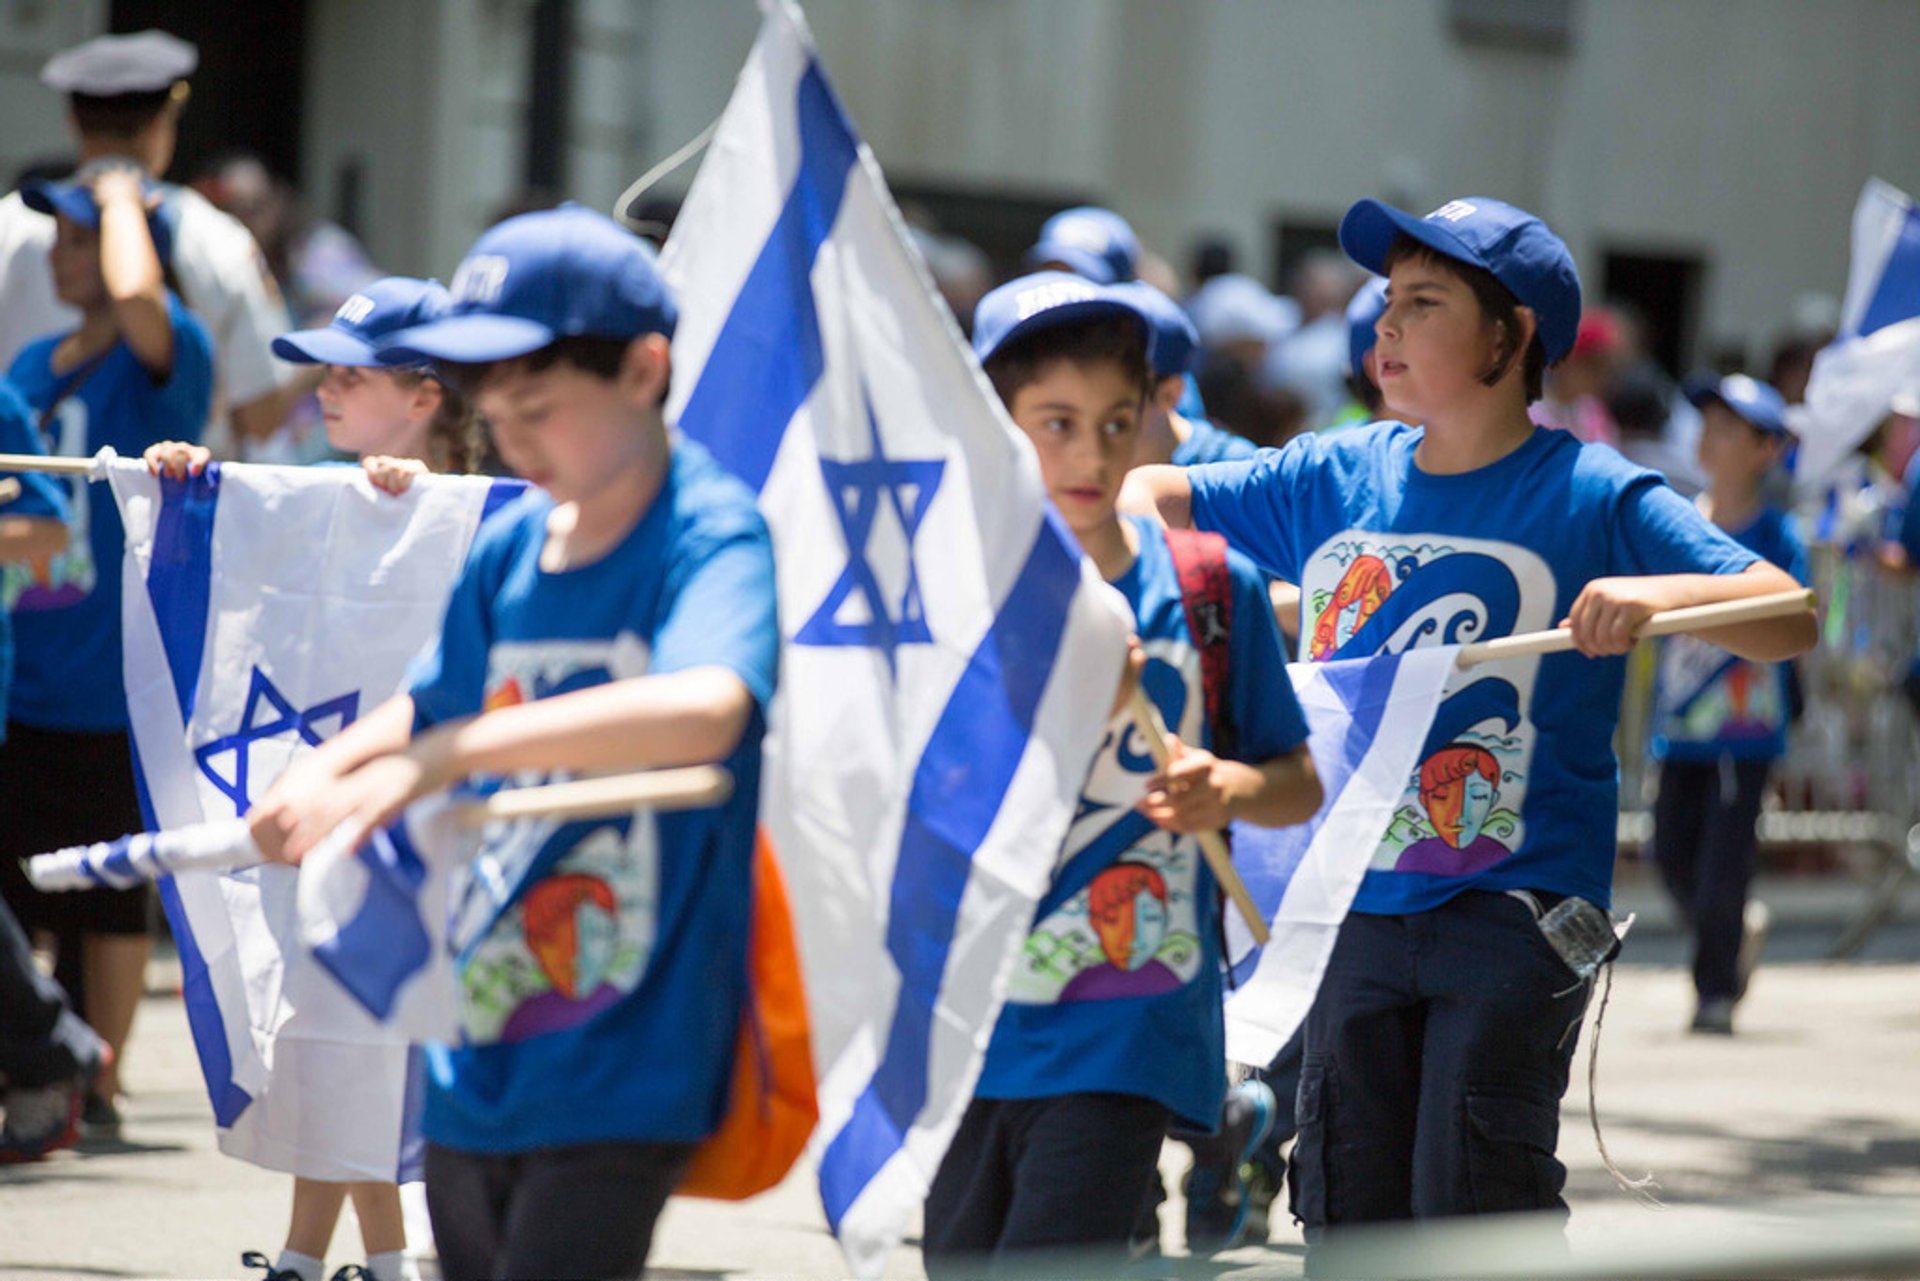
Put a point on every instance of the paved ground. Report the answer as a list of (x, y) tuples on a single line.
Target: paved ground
[(1813, 1109)]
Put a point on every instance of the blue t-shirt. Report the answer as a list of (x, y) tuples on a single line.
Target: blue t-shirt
[(1118, 988), (1709, 704), (1209, 444), (40, 495), (1517, 784), (603, 965), (67, 673)]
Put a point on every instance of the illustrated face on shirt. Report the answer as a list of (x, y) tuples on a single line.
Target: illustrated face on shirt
[(1368, 593)]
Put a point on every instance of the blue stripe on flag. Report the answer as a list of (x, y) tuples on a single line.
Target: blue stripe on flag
[(957, 789), (117, 866), (383, 944), (767, 357), (178, 583), (1267, 857), (179, 575), (1898, 296), (499, 494)]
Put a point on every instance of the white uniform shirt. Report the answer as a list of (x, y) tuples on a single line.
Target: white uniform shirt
[(223, 279)]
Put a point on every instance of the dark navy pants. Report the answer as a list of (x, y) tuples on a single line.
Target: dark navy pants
[(1705, 841), (42, 1042), (1435, 1057)]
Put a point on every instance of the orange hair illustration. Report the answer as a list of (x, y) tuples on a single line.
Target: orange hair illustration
[(1110, 906), (1368, 581), (1441, 792), (1739, 690), (551, 929)]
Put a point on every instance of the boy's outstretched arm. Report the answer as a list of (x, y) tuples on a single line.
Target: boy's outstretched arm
[(1609, 612), (303, 787), (1203, 792), (689, 717), (1161, 492)]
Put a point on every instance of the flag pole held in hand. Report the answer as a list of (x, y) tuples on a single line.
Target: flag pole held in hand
[(1694, 618), (1212, 844), (227, 847)]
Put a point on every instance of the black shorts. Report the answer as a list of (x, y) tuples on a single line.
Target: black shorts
[(61, 788)]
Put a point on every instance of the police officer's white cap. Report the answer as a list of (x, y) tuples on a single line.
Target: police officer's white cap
[(107, 66)]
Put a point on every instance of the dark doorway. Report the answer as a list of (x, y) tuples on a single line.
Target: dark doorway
[(247, 94), (1665, 289), (1294, 239)]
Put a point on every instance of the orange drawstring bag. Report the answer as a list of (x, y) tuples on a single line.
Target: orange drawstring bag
[(774, 1107)]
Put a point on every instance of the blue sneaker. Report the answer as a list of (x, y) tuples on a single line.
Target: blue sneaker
[(1216, 1187)]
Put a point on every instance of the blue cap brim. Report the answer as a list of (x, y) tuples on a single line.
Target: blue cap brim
[(326, 346), (1369, 229), (69, 202), (1090, 265), (470, 339), (1068, 313), (1700, 395)]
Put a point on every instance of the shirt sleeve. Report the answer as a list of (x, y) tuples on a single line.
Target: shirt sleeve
[(40, 494), (228, 283), (1658, 532), (1250, 504), (1266, 714), (187, 395), (722, 607), (1910, 519), (448, 679)]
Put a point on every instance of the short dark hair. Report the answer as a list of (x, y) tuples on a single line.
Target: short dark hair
[(1115, 340), (589, 353), (119, 115), (1497, 303)]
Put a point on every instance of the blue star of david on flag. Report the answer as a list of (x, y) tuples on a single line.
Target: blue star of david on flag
[(284, 719), (859, 490)]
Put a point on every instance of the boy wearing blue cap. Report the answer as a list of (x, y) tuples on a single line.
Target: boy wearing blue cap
[(1113, 1022), (1437, 1050), (1093, 243), (1720, 722), (136, 370), (621, 615)]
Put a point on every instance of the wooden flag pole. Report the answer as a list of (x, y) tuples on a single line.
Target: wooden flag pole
[(47, 463), (1694, 618), (1212, 844), (692, 787)]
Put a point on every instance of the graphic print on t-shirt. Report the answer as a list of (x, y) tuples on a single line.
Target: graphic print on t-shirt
[(579, 937), (1707, 695), (1132, 929), (67, 576), (1366, 593)]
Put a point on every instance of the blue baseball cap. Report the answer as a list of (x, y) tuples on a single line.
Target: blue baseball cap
[(1044, 299), (1090, 241), (1512, 244), (364, 321), (1174, 339), (1758, 404), (73, 200), (1364, 310), (556, 273)]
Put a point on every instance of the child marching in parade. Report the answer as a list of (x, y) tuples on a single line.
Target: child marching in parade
[(621, 615), (1437, 1049), (1113, 1023)]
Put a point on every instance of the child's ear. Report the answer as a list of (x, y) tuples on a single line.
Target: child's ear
[(426, 399), (1167, 393), (646, 367), (1529, 326)]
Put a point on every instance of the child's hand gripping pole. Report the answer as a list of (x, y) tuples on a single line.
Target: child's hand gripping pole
[(1154, 730), (9, 490), (1694, 618)]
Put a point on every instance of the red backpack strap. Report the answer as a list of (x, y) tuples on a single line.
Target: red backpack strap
[(1200, 559)]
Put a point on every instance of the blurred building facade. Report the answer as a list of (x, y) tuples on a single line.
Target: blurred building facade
[(1702, 157)]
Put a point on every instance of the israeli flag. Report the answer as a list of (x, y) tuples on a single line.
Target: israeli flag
[(950, 656), (1876, 355), (1367, 720), (263, 609)]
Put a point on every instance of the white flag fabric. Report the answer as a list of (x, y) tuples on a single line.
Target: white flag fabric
[(1876, 355), (950, 657), (264, 608), (1368, 719)]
